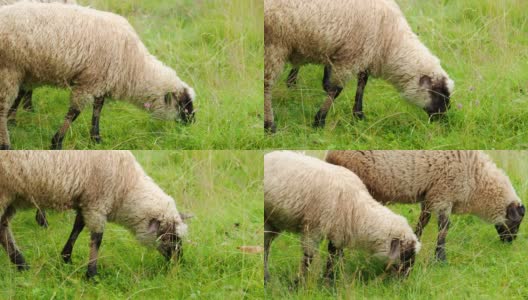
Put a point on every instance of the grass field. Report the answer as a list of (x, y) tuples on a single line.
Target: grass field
[(482, 44), (216, 46), (224, 191), (479, 265)]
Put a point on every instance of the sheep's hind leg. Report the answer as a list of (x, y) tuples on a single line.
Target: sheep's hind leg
[(78, 226), (95, 243), (56, 141), (425, 216), (27, 103), (333, 80), (97, 107), (291, 81), (8, 242), (358, 104), (269, 235), (443, 227), (334, 254), (40, 217)]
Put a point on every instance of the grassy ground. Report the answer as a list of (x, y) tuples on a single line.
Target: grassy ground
[(479, 265), (214, 45), (482, 44), (224, 191)]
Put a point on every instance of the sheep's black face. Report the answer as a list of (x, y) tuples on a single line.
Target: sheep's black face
[(406, 256), (170, 245), (439, 94), (514, 216)]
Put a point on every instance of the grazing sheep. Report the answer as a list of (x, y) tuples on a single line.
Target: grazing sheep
[(24, 97), (305, 195), (443, 182), (96, 54), (351, 37), (102, 186)]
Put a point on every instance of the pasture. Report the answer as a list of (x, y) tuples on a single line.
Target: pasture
[(483, 46), (479, 265), (223, 189)]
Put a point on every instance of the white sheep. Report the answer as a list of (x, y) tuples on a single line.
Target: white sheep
[(305, 195), (96, 54), (351, 37), (443, 182), (24, 97), (102, 186)]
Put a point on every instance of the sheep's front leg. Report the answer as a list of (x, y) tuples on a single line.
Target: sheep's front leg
[(443, 227), (56, 141), (78, 226), (40, 217), (95, 243), (269, 235), (97, 107), (334, 254), (8, 242), (25, 98), (309, 245), (358, 104), (425, 216), (291, 81), (320, 117)]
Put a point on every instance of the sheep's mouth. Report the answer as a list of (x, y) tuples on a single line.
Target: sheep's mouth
[(172, 252), (507, 233)]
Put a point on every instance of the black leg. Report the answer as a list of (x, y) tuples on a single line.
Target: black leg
[(27, 103), (334, 254), (97, 107), (95, 243), (320, 117), (425, 216), (56, 141), (8, 242), (40, 217), (358, 104), (326, 78), (68, 248), (443, 227), (11, 115), (291, 81)]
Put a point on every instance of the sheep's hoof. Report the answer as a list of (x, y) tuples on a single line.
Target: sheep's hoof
[(441, 257), (23, 267), (5, 147), (97, 139), (359, 115), (66, 258), (270, 127), (56, 143)]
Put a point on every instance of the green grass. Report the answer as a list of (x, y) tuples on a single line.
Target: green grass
[(216, 46), (221, 188), (482, 44), (479, 265)]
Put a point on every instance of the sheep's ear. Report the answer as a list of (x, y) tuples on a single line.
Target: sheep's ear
[(426, 82), (514, 213), (185, 216), (395, 247), (154, 226)]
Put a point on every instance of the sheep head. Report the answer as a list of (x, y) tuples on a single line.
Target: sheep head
[(402, 255), (430, 92), (508, 229), (174, 106), (169, 236)]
